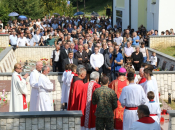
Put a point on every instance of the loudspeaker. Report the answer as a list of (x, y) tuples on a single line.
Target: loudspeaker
[(108, 12)]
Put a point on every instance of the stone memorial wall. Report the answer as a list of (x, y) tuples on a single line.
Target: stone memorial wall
[(161, 41), (58, 120), (33, 53), (4, 40)]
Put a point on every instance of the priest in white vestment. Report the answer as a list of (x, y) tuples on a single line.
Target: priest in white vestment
[(45, 100), (19, 91), (145, 122), (131, 97), (34, 76)]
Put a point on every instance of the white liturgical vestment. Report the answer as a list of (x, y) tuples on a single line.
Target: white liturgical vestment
[(18, 93), (145, 126), (45, 100), (148, 86), (34, 76), (155, 111), (132, 96), (156, 89)]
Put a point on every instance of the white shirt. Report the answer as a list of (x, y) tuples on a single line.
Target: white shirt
[(13, 39), (22, 41), (57, 54), (96, 60), (31, 41), (153, 60), (38, 23), (128, 51)]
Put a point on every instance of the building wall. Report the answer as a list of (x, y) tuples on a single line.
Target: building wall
[(125, 12), (142, 13), (166, 15), (152, 15), (4, 40), (134, 14)]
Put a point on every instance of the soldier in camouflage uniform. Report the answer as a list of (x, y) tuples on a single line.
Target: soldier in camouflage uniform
[(106, 100)]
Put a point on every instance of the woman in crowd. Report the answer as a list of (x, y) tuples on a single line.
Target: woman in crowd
[(137, 58), (145, 53), (89, 52)]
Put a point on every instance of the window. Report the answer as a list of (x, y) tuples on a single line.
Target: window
[(118, 18)]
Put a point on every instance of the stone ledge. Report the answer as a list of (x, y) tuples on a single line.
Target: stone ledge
[(4, 34), (171, 113), (6, 115), (5, 52), (160, 36), (36, 47)]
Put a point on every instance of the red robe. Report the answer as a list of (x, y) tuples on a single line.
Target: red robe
[(117, 85), (142, 80), (87, 108), (75, 94)]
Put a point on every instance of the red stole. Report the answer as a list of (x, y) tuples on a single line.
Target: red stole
[(23, 96), (146, 120), (142, 80)]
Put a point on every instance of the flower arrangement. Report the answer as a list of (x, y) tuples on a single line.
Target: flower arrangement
[(44, 60), (3, 98), (157, 69)]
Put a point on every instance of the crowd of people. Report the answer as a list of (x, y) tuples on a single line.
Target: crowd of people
[(98, 64)]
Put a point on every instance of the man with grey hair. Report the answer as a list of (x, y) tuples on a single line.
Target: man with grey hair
[(141, 73), (87, 108), (45, 101), (76, 89), (34, 76)]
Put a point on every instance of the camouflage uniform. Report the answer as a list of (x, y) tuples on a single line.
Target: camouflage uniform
[(106, 100)]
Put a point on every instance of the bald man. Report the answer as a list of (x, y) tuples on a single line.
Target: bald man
[(34, 76)]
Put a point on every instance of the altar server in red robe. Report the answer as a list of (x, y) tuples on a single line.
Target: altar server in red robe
[(76, 88), (88, 109), (117, 85), (145, 122)]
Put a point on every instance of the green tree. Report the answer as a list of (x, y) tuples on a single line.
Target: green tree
[(4, 11), (29, 8)]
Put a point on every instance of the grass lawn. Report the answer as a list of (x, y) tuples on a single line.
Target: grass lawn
[(172, 105), (1, 49), (94, 5), (169, 51)]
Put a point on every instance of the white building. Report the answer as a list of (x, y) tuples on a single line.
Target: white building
[(153, 14)]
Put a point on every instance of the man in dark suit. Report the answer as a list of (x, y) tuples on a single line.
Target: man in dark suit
[(91, 47), (64, 54), (81, 56), (107, 63), (69, 60)]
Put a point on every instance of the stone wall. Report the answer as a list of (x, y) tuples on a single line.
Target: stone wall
[(165, 62), (161, 41), (171, 119), (7, 60), (4, 40), (58, 120), (33, 53)]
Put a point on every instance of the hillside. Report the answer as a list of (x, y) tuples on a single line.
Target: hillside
[(94, 5)]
